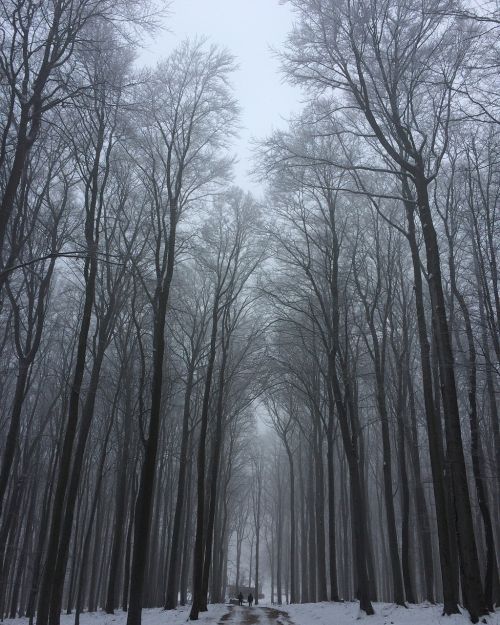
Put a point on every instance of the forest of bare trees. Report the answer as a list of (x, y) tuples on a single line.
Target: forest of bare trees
[(297, 392)]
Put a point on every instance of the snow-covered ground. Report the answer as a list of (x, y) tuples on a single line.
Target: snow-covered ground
[(385, 614), (154, 616), (298, 614)]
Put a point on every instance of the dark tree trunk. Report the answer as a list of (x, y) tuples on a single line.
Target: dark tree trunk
[(422, 515), (42, 534), (198, 567), (293, 528), (311, 528), (405, 505), (214, 464), (187, 525), (378, 354), (491, 578), (120, 504), (279, 548), (332, 540), (434, 431), (90, 274), (88, 535), (257, 538), (175, 550), (465, 529), (11, 441), (144, 503), (22, 556), (304, 587), (59, 570), (319, 502), (128, 547), (358, 503)]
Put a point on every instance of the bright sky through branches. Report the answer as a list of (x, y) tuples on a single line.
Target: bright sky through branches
[(250, 29)]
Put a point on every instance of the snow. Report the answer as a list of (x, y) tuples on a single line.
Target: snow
[(154, 616), (385, 614), (298, 614)]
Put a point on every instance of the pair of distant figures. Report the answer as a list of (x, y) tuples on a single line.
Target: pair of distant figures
[(249, 599)]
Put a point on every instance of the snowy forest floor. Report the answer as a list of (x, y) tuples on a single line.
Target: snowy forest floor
[(297, 614), (385, 614)]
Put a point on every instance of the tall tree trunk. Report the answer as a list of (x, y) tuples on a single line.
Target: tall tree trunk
[(293, 528), (304, 587), (175, 550), (215, 462), (128, 547), (465, 528), (187, 524), (120, 503), (90, 275), (199, 544), (422, 515), (144, 503), (279, 548), (434, 431), (319, 500), (59, 570), (88, 535), (332, 539), (311, 526), (491, 578), (405, 495), (358, 501)]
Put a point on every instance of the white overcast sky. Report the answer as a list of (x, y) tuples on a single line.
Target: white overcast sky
[(249, 29)]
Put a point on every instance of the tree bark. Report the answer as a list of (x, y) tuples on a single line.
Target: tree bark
[(175, 551), (434, 432), (456, 462), (199, 545)]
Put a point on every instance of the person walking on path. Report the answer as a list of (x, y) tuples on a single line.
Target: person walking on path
[(240, 599), (250, 600)]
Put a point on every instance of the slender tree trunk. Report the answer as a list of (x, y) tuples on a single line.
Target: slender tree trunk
[(422, 515), (319, 500), (304, 587), (144, 503), (434, 432), (59, 570), (215, 462), (198, 568), (173, 568), (311, 522), (279, 548), (332, 539), (88, 535), (187, 523), (358, 501), (42, 535), (128, 548), (465, 529), (491, 578), (405, 497), (293, 540), (25, 139), (257, 542), (13, 432), (90, 274), (22, 556), (120, 503)]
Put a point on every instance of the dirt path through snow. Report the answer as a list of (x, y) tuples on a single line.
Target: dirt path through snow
[(255, 616)]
